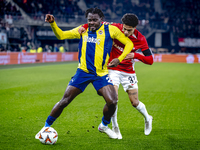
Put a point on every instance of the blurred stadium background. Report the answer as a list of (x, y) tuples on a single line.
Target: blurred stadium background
[(170, 26)]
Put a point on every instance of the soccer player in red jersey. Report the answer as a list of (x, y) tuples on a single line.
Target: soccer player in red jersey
[(124, 73)]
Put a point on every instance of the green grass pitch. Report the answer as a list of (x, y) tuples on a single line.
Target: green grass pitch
[(170, 91)]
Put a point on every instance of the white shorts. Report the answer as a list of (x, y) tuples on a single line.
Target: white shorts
[(128, 80)]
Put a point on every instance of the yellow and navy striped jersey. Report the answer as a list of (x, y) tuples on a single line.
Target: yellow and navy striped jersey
[(95, 47)]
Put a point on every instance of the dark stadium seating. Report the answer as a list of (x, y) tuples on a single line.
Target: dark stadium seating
[(182, 17)]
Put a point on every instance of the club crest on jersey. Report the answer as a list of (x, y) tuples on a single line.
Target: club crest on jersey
[(100, 32)]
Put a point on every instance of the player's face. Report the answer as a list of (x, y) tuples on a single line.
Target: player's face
[(128, 30), (94, 21)]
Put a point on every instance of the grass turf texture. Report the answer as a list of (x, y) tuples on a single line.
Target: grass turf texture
[(170, 92)]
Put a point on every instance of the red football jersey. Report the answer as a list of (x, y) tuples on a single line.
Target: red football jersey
[(139, 42)]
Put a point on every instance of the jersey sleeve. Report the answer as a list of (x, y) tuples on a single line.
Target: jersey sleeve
[(117, 34), (147, 58), (61, 35)]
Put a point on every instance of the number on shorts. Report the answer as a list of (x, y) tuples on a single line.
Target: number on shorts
[(107, 78), (131, 79)]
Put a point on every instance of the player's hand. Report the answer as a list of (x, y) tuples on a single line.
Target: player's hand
[(49, 18), (81, 30), (129, 56), (114, 63)]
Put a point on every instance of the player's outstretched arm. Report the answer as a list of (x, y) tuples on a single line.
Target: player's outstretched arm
[(61, 35)]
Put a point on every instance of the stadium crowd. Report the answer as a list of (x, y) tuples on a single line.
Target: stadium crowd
[(7, 13), (183, 21)]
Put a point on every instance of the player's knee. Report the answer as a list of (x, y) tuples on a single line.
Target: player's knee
[(112, 102), (63, 102), (135, 103), (117, 96), (115, 102)]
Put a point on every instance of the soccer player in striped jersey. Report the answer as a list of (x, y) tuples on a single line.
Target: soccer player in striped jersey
[(124, 73), (94, 52)]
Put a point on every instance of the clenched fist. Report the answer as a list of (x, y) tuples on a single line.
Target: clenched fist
[(49, 18)]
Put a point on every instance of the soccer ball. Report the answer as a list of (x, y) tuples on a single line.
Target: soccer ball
[(48, 136)]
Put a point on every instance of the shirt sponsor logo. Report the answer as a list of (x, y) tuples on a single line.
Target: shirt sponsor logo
[(91, 40), (119, 47)]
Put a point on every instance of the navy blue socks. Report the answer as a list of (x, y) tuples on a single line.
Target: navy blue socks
[(49, 121), (105, 122)]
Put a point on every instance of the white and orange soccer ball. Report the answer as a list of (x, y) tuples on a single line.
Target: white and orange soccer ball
[(48, 136)]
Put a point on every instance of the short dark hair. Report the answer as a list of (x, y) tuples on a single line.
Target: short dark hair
[(94, 11), (130, 20)]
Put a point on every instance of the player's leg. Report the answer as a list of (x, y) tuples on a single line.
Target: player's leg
[(110, 96), (114, 117), (77, 84), (115, 126), (70, 93), (129, 83), (105, 88), (133, 96), (115, 78)]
